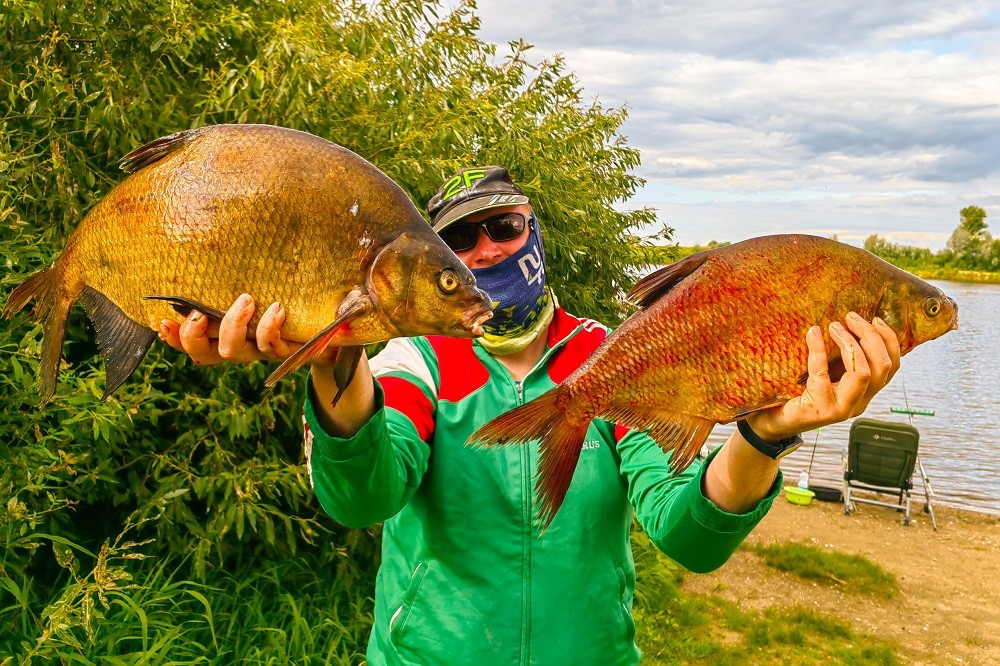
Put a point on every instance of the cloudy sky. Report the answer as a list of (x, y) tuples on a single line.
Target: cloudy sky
[(769, 116)]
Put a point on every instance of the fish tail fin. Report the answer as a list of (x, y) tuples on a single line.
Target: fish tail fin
[(559, 450), (51, 311)]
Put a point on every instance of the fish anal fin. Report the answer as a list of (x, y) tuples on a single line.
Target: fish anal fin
[(650, 288), (679, 435), (558, 450), (156, 150), (122, 341), (355, 305), (184, 306)]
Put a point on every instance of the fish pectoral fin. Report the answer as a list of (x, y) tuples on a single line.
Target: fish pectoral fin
[(354, 306), (122, 341), (184, 306), (650, 288), (344, 368), (759, 407)]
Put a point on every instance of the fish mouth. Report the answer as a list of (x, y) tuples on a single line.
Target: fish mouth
[(474, 323)]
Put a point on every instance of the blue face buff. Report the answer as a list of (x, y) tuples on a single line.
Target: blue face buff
[(522, 302)]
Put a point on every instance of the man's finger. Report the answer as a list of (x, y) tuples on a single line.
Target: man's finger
[(852, 386), (268, 333), (891, 341), (195, 341), (233, 343), (818, 384), (874, 347), (170, 333)]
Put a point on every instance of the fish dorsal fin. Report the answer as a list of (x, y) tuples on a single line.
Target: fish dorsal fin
[(650, 288), (155, 151)]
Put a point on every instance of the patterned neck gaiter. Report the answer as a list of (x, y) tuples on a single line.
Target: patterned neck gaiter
[(523, 304)]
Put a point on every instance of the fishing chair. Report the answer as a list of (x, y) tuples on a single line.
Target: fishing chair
[(881, 458)]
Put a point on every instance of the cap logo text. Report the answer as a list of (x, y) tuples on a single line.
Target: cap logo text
[(462, 181)]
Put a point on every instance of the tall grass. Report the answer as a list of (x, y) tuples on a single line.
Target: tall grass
[(295, 610)]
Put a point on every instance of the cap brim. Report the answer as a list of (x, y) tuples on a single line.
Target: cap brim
[(476, 205)]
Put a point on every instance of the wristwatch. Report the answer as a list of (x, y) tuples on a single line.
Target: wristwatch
[(773, 450)]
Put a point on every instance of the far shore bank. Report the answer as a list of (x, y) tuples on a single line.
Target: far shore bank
[(958, 276), (678, 252)]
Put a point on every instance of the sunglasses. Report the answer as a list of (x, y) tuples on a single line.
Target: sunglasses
[(464, 236)]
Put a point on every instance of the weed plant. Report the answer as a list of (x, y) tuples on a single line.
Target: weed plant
[(674, 626), (853, 573)]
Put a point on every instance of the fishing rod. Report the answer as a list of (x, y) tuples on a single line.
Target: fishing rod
[(928, 490)]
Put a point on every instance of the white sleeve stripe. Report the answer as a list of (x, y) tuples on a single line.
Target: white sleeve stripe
[(402, 355)]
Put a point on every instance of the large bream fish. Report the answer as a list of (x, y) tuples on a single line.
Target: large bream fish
[(283, 215), (720, 334)]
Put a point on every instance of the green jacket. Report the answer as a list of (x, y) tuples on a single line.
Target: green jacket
[(464, 578)]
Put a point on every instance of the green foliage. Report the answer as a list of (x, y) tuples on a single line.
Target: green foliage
[(973, 220), (312, 608), (674, 626), (971, 252), (126, 513), (851, 572)]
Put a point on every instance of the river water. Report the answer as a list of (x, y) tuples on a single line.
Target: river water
[(957, 376)]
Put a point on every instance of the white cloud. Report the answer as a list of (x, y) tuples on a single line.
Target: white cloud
[(883, 113)]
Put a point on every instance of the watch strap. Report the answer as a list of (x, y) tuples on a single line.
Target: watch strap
[(773, 450)]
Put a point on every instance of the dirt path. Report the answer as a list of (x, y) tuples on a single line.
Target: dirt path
[(948, 609)]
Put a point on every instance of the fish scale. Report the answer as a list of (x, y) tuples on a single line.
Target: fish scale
[(211, 213), (719, 335)]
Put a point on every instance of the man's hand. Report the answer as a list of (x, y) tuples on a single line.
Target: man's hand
[(208, 343), (871, 358)]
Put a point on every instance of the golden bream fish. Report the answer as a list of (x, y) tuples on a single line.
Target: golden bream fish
[(283, 215), (720, 334)]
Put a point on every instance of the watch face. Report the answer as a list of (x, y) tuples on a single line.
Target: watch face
[(788, 450)]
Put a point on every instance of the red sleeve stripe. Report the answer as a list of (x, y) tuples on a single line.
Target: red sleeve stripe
[(620, 431), (407, 398)]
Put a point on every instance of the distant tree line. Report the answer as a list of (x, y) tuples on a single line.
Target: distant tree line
[(970, 248), (972, 253)]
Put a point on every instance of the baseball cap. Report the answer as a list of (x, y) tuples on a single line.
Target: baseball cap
[(471, 190)]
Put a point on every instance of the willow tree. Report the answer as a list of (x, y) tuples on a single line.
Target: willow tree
[(154, 508)]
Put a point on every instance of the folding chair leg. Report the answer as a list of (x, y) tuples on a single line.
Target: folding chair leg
[(906, 518)]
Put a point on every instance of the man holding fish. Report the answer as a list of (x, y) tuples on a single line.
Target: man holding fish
[(467, 575)]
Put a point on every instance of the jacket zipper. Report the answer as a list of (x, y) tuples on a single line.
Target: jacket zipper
[(525, 542), (526, 507)]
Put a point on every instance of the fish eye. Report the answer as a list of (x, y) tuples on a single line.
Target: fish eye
[(932, 306), (448, 282)]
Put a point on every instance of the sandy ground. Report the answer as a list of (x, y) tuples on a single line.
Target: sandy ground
[(948, 609)]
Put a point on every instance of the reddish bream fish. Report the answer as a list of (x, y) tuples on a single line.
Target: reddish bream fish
[(282, 215), (719, 335)]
